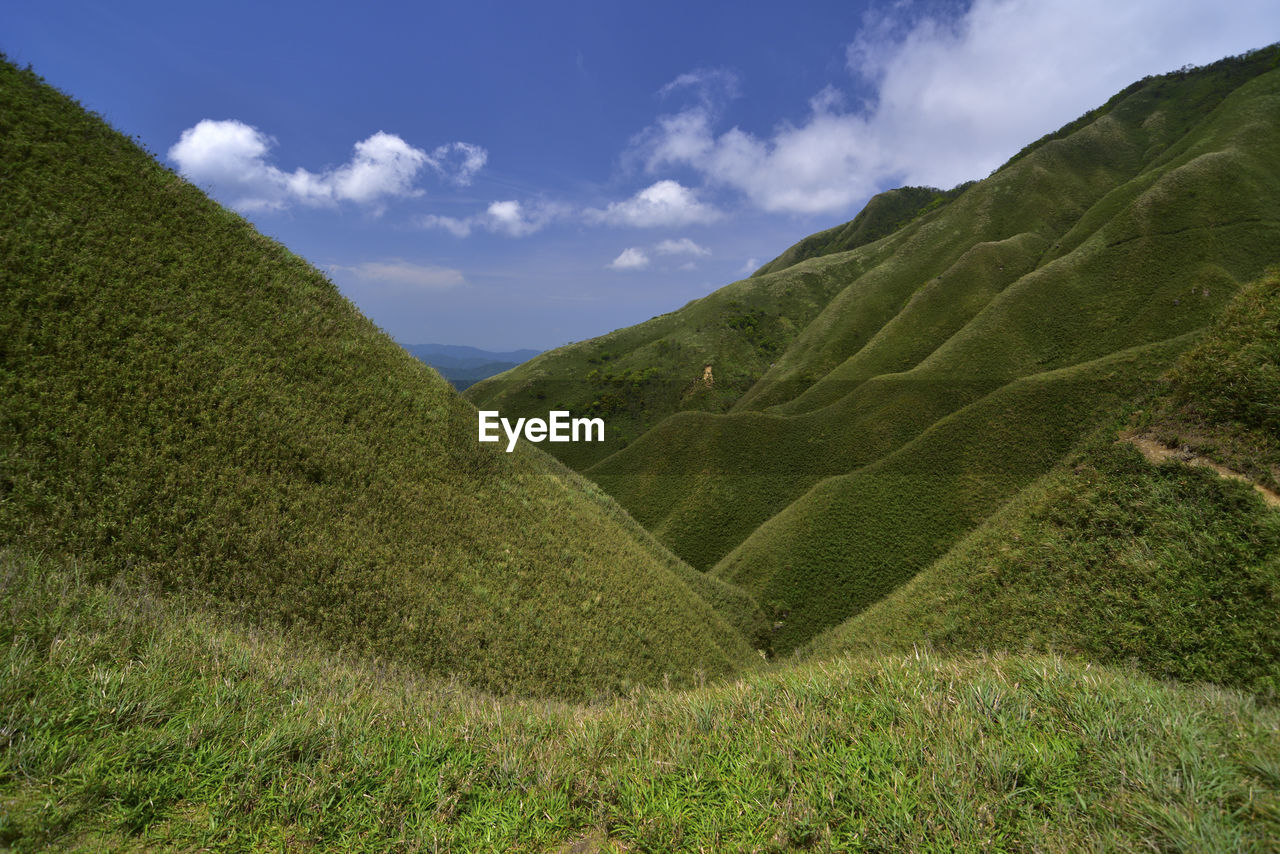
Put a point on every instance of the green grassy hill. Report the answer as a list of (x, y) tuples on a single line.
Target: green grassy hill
[(898, 392), (637, 376), (134, 725), (187, 402), (1110, 557)]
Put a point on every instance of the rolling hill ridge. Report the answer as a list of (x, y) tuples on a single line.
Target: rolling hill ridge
[(880, 391), (1116, 558)]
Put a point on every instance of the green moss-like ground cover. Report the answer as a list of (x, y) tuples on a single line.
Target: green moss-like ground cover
[(1168, 567)]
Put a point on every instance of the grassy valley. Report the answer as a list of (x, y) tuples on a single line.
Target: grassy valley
[(887, 568)]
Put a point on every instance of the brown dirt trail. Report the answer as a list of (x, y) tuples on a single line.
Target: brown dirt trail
[(1158, 452)]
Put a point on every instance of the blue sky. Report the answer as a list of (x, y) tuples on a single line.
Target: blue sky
[(513, 175)]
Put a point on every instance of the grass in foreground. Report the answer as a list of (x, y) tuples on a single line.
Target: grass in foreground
[(132, 723)]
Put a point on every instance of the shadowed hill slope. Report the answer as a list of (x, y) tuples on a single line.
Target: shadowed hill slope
[(953, 361), (1172, 567), (187, 401)]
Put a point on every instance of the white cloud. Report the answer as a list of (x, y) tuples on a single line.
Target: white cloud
[(683, 246), (383, 165), (636, 258), (630, 259), (514, 219), (806, 169), (231, 157), (958, 98), (955, 94), (711, 86), (511, 218), (455, 226), (750, 267), (400, 274), (665, 203)]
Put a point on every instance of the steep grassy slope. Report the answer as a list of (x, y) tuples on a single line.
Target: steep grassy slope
[(961, 354), (129, 725), (1112, 558), (185, 401), (1223, 398), (853, 538)]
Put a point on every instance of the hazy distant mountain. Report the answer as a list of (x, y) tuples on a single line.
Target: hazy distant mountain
[(463, 365)]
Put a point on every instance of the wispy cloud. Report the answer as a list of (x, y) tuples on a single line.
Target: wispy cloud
[(683, 246), (232, 158), (510, 217), (664, 203), (637, 258), (400, 274), (458, 227), (458, 162), (711, 86), (954, 94)]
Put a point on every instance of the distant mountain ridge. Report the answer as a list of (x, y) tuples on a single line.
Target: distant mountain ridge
[(463, 366), (462, 352)]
